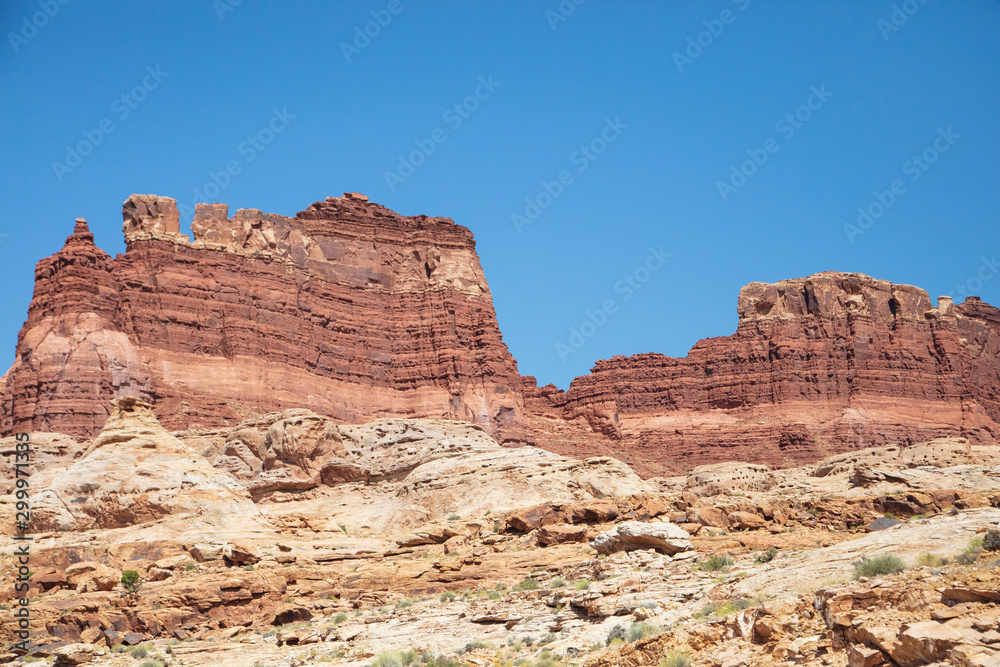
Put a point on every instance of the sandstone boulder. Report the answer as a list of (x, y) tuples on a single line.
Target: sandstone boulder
[(75, 654), (665, 537)]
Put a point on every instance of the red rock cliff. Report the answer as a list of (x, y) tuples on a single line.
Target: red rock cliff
[(348, 308), (818, 365)]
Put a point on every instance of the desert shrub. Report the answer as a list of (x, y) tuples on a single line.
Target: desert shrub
[(472, 646), (547, 638), (339, 618), (494, 595), (722, 607), (528, 584), (387, 660), (966, 559), (558, 582), (130, 580), (716, 564), (639, 631), (545, 659), (447, 596), (454, 517), (766, 556), (878, 566), (582, 585), (152, 663), (617, 632), (403, 604), (928, 559), (991, 541), (138, 652), (975, 546), (442, 661), (190, 566), (677, 659), (501, 587)]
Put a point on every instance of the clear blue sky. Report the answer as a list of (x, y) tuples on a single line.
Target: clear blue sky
[(680, 128)]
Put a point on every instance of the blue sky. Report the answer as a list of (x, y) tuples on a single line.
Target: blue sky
[(642, 109)]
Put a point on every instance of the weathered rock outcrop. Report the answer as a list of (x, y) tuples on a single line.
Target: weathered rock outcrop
[(135, 472)]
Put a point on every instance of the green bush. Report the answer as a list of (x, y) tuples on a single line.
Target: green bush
[(716, 564), (130, 580), (928, 559), (473, 645), (878, 566), (677, 659), (547, 638), (766, 556), (138, 652), (991, 541), (582, 585), (339, 618), (975, 546), (642, 630), (966, 559), (440, 661), (617, 632), (387, 660), (722, 607), (528, 584), (558, 582), (447, 596)]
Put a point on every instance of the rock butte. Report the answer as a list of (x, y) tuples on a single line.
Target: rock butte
[(358, 313)]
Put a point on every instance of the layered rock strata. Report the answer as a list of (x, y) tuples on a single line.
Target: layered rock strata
[(348, 308), (819, 365)]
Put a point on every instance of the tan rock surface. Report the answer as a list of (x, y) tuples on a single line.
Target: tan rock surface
[(136, 472)]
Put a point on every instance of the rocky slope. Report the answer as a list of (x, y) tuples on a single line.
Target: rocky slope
[(355, 312), (410, 538)]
